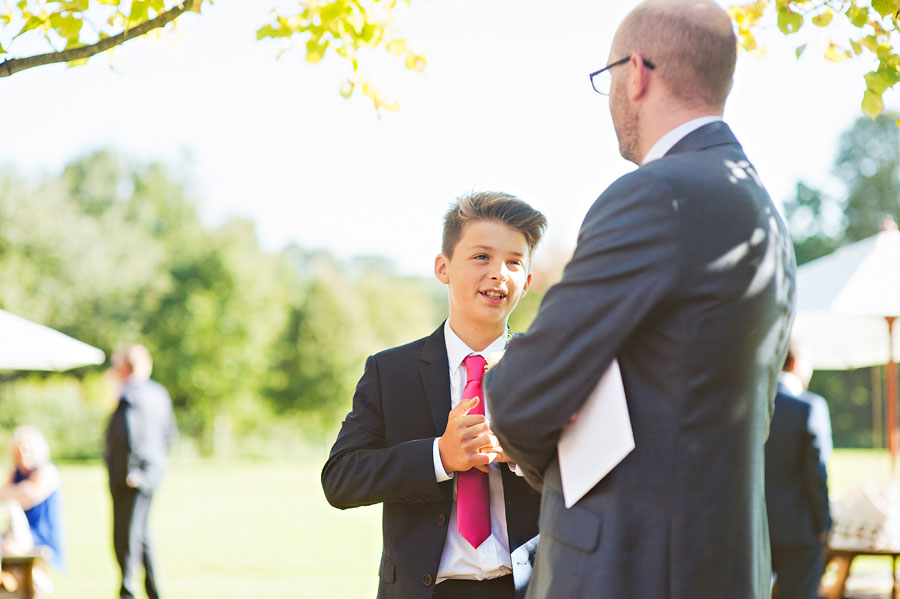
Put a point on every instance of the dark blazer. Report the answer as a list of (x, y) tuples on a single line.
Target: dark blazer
[(684, 272), (383, 454), (139, 435), (796, 481)]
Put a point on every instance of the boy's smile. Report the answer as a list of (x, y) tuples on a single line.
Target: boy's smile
[(486, 276)]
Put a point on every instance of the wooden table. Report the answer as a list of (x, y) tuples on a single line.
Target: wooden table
[(844, 558), (26, 564)]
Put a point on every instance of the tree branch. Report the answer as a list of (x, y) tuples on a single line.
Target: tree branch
[(14, 65)]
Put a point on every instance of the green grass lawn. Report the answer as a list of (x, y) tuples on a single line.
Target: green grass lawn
[(239, 530), (247, 530)]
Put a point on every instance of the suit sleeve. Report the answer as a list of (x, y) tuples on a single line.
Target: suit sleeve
[(625, 265), (134, 441), (362, 469), (815, 475)]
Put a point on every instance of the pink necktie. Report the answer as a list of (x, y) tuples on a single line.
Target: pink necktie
[(473, 509)]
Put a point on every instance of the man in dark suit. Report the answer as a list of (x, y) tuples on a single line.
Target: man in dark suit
[(414, 442), (797, 483), (138, 438), (684, 272)]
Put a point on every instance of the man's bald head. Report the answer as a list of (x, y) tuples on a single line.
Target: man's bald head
[(691, 42)]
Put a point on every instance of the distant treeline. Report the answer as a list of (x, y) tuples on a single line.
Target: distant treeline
[(259, 350)]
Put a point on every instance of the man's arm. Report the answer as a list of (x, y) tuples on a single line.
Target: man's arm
[(815, 474), (362, 470), (625, 264)]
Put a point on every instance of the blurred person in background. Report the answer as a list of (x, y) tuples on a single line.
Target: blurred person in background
[(138, 438), (797, 450), (31, 503)]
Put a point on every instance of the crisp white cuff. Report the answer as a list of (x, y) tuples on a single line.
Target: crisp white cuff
[(516, 469), (439, 473)]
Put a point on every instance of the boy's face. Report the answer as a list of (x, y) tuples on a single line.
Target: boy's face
[(487, 274)]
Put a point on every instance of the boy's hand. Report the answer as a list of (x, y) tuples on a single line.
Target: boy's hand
[(493, 358), (466, 435)]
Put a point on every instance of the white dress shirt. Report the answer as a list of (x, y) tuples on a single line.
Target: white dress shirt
[(459, 559), (668, 141)]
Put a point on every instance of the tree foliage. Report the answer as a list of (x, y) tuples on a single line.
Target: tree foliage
[(247, 341), (859, 27), (868, 166), (75, 30)]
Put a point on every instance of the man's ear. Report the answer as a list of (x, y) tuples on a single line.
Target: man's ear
[(640, 79), (441, 265)]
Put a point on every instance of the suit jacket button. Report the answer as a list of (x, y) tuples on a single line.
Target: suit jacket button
[(427, 580), (441, 519)]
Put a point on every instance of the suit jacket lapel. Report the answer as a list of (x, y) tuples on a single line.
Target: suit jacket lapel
[(434, 370)]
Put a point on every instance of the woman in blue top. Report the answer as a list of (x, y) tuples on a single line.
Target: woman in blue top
[(35, 485)]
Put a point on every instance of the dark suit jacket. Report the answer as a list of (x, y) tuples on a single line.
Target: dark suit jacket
[(685, 273), (139, 435), (796, 481), (383, 454)]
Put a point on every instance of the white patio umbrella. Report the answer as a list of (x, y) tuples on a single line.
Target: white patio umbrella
[(848, 302), (25, 345)]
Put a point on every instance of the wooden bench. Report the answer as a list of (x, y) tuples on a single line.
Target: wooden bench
[(25, 563), (843, 559)]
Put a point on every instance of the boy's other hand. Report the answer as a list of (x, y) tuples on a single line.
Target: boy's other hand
[(465, 436), (492, 359)]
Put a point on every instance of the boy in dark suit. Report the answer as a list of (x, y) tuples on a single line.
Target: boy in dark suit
[(457, 520)]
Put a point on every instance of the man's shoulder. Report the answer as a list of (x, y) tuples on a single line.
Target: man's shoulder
[(786, 401)]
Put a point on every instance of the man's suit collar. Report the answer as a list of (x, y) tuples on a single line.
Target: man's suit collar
[(707, 136), (434, 370)]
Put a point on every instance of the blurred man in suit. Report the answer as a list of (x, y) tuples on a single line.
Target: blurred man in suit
[(798, 448), (138, 438), (684, 272)]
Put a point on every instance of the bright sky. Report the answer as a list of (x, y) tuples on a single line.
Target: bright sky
[(504, 104)]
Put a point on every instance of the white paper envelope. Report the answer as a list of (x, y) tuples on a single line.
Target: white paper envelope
[(598, 440)]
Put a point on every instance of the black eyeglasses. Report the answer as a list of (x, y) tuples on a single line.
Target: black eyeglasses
[(600, 80)]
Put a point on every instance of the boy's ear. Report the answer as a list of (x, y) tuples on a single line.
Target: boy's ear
[(527, 285), (441, 263)]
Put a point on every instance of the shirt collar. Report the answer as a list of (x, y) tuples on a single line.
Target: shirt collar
[(791, 382), (457, 350), (667, 141)]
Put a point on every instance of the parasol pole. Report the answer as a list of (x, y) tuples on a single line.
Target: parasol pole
[(891, 392)]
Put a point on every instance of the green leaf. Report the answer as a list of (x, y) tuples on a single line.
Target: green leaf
[(315, 49), (69, 27), (875, 83), (789, 21), (76, 63), (2, 51), (834, 53), (857, 48), (30, 24), (886, 7), (872, 105), (397, 47), (139, 11), (824, 19), (800, 50), (870, 42), (858, 17)]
